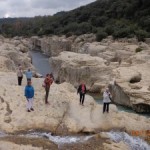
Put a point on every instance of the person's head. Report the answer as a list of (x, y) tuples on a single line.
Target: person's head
[(29, 83), (82, 82), (47, 75), (51, 75), (28, 69), (107, 89), (19, 66)]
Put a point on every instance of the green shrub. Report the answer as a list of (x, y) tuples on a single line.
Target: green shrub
[(69, 34), (141, 34), (101, 35), (138, 49)]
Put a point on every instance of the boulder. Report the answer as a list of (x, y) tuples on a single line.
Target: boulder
[(131, 87)]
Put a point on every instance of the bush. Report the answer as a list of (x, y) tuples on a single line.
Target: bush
[(138, 49), (101, 35), (69, 34), (141, 35)]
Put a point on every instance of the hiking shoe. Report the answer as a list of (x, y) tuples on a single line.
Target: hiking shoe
[(28, 110), (32, 109)]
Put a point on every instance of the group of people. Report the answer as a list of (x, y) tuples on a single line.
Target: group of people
[(29, 89), (81, 90), (106, 97), (28, 74)]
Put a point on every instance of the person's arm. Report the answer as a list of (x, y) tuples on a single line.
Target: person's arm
[(33, 91), (110, 96), (78, 90), (26, 94), (85, 89)]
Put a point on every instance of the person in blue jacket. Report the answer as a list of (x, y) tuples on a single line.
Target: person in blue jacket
[(28, 75), (29, 94)]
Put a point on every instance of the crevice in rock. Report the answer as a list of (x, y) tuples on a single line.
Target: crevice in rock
[(2, 100), (9, 111), (135, 79), (60, 125), (119, 96), (141, 108)]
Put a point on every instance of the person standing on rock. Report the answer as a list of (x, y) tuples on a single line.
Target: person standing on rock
[(47, 83), (29, 94), (29, 75), (82, 91), (20, 75), (106, 100)]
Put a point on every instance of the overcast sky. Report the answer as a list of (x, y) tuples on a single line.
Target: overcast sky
[(30, 8)]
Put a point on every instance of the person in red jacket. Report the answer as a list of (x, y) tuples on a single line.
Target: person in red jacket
[(48, 81), (82, 91)]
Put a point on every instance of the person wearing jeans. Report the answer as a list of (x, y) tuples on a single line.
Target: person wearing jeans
[(82, 91), (106, 100), (29, 94)]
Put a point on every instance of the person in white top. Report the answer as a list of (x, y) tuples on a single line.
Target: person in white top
[(20, 75), (106, 100)]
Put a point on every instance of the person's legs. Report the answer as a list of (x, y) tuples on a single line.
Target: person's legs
[(46, 95), (83, 96), (28, 105), (19, 80), (32, 104), (80, 98), (107, 108), (104, 107)]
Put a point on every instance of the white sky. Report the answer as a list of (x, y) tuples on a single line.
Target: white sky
[(30, 8)]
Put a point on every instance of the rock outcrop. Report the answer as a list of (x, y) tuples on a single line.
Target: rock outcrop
[(132, 87), (14, 52), (73, 67), (54, 45)]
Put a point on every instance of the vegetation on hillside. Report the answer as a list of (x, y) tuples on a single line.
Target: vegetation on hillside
[(120, 18)]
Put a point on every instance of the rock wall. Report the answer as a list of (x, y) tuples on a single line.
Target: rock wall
[(73, 68), (14, 52)]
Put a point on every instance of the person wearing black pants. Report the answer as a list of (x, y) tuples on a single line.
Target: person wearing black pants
[(82, 91), (106, 100), (106, 107), (20, 76), (19, 80)]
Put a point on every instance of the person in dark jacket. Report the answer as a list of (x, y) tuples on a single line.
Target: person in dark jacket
[(48, 81), (82, 91), (29, 94)]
